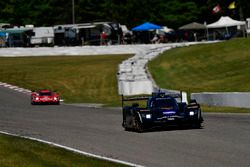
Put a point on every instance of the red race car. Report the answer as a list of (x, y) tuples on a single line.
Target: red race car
[(44, 97)]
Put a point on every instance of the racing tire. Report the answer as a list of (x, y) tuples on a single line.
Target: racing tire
[(196, 125), (127, 129), (138, 126), (125, 126)]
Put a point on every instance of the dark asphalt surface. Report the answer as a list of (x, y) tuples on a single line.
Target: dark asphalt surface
[(224, 141)]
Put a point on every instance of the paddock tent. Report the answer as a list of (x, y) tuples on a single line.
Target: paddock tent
[(2, 38), (193, 26), (2, 34), (226, 21), (146, 27)]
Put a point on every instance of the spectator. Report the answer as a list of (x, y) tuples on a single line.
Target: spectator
[(103, 38), (155, 39)]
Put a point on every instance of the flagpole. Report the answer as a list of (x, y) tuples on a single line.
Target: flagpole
[(205, 23), (242, 19), (241, 14), (227, 31), (73, 11)]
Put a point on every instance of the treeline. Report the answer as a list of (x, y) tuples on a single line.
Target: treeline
[(172, 13)]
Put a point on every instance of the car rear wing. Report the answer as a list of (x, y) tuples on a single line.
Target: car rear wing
[(175, 94), (154, 94), (139, 98)]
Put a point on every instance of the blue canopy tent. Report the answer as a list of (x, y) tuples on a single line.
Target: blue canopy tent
[(2, 34), (146, 27), (143, 32), (2, 39)]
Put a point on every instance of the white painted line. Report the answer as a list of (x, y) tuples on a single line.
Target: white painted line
[(16, 88), (74, 150)]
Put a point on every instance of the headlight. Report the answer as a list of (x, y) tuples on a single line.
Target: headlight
[(37, 98), (191, 113), (148, 116), (55, 98)]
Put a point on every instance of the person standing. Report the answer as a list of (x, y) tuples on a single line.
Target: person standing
[(103, 38)]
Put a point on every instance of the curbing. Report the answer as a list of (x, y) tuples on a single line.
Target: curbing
[(16, 88)]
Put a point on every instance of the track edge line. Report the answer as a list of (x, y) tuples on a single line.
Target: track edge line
[(73, 149)]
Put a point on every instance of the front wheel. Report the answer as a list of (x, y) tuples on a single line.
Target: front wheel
[(124, 125), (196, 125), (138, 125)]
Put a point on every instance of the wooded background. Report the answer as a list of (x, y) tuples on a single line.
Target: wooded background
[(171, 13)]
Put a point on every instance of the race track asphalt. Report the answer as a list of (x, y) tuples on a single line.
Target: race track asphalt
[(223, 141)]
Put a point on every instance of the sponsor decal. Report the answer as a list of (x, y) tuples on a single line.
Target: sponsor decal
[(169, 112), (45, 98)]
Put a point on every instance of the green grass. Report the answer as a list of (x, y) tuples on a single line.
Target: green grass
[(18, 152), (218, 67), (215, 67), (88, 79)]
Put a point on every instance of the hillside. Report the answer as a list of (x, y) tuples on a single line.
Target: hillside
[(218, 67), (89, 79)]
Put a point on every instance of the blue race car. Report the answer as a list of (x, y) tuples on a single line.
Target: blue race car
[(161, 110)]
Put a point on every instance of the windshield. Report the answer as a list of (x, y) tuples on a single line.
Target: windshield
[(45, 93), (164, 103)]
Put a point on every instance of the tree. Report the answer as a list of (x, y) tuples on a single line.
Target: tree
[(172, 13), (175, 13)]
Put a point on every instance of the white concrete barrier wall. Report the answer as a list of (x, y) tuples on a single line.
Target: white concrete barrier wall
[(234, 99), (128, 88), (133, 76)]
